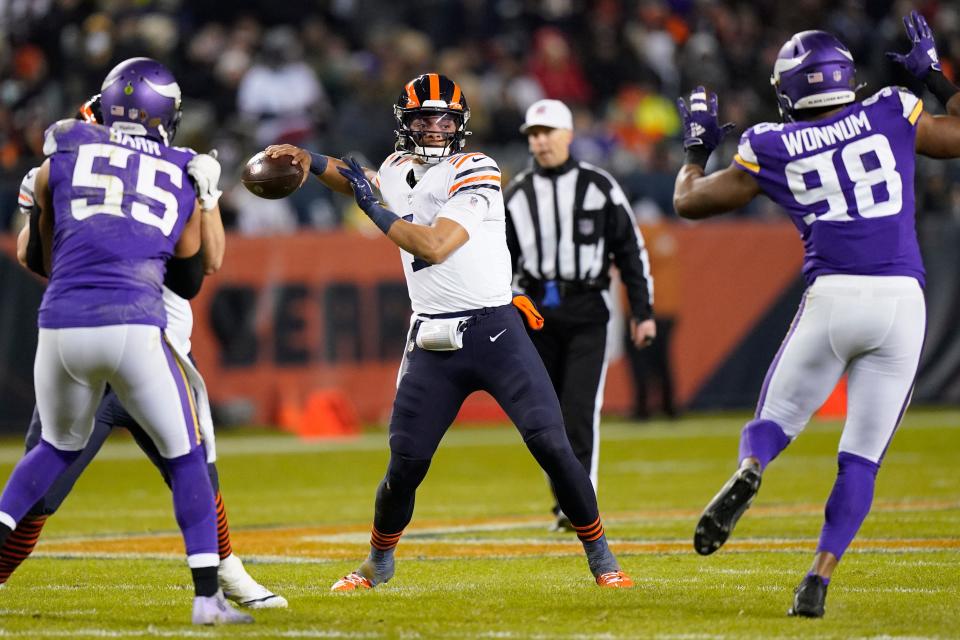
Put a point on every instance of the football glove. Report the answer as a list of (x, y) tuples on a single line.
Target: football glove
[(204, 171), (362, 191), (922, 58), (702, 132)]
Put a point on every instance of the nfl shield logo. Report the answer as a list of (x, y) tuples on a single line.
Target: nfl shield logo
[(837, 75), (585, 227)]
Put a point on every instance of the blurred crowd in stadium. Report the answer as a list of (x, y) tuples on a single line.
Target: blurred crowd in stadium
[(324, 73)]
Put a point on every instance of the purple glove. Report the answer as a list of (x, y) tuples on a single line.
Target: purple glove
[(702, 132), (923, 56), (362, 191)]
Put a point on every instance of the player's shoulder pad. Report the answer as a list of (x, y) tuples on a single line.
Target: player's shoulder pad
[(467, 161), (898, 100), (25, 199), (395, 159), (472, 171), (187, 150), (751, 139), (68, 134)]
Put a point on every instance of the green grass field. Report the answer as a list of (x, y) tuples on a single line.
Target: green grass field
[(478, 561)]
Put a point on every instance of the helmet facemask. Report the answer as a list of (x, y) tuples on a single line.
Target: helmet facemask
[(431, 132)]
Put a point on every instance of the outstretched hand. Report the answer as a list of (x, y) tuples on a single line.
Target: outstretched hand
[(922, 58), (362, 190), (701, 128)]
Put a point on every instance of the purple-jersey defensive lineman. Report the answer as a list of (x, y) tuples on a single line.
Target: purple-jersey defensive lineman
[(843, 170), (466, 335), (115, 205)]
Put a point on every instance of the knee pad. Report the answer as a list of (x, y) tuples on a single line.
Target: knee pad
[(405, 474)]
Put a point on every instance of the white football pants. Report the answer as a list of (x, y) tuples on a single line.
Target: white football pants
[(871, 327), (73, 366)]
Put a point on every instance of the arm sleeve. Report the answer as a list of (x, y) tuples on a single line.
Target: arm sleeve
[(630, 255), (34, 245), (185, 275)]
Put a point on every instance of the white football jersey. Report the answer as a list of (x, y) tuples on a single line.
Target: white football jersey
[(466, 189), (179, 312)]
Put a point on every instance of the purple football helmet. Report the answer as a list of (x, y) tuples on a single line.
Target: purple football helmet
[(141, 97), (813, 69)]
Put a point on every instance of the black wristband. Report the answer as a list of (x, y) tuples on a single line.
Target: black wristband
[(939, 86), (318, 163), (697, 154)]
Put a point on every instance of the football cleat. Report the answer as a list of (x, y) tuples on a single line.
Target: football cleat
[(809, 598), (216, 610), (721, 515), (239, 586), (352, 582), (614, 580)]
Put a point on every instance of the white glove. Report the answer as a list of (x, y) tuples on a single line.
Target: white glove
[(204, 169)]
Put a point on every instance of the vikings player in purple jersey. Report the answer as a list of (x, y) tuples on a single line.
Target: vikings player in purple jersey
[(182, 281), (843, 171), (115, 205)]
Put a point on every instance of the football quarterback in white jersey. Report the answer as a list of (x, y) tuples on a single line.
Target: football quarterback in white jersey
[(444, 210)]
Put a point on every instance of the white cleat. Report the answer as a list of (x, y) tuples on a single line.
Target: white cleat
[(216, 610), (239, 586)]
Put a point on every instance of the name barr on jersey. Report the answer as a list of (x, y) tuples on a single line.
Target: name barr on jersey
[(814, 138), (138, 143)]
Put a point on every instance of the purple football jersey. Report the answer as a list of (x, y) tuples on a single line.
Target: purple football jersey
[(847, 183), (120, 204)]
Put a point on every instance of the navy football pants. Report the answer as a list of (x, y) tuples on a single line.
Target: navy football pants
[(497, 357)]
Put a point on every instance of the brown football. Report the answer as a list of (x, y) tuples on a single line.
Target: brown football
[(271, 178)]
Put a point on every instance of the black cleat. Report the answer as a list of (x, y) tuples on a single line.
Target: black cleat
[(809, 597), (725, 509)]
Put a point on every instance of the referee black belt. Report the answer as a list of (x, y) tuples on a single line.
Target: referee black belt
[(566, 288)]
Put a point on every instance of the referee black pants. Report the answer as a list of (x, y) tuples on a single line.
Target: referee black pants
[(574, 354)]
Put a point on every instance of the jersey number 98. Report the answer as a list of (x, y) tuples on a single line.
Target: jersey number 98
[(864, 181)]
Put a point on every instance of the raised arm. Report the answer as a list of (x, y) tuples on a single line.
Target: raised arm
[(923, 63), (696, 195), (434, 243), (325, 168)]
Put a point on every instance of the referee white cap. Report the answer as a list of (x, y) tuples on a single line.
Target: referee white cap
[(548, 113)]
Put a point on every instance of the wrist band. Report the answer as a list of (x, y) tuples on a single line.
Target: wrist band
[(697, 154), (939, 86), (318, 163), (383, 218)]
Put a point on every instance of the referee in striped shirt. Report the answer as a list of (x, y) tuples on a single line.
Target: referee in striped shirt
[(566, 222)]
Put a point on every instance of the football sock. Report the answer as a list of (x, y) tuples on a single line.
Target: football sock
[(32, 478), (19, 544), (379, 565), (599, 556), (825, 581), (223, 529), (193, 503), (204, 581), (848, 504), (763, 440)]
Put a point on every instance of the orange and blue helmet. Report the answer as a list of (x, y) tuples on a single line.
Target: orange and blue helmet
[(434, 96)]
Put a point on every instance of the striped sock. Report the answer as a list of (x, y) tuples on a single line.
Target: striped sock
[(379, 565), (599, 556), (223, 529), (590, 532), (19, 545)]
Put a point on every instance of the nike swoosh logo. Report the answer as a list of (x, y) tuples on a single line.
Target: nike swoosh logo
[(476, 159), (494, 338)]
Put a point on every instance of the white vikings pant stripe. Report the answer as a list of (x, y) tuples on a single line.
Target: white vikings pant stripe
[(871, 327), (73, 366)]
